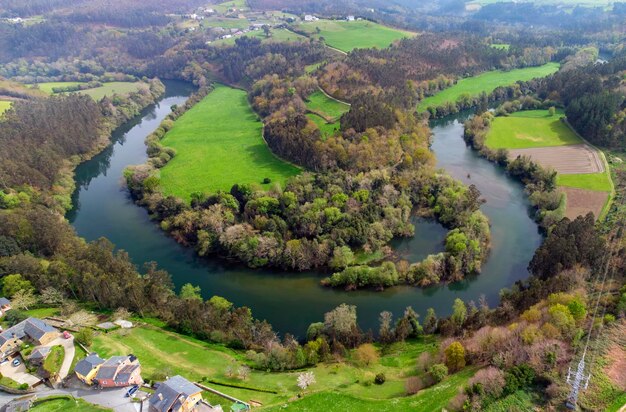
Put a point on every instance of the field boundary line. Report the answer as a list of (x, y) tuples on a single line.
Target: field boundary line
[(609, 202), (331, 97)]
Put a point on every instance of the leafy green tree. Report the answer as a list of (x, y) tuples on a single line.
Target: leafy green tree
[(190, 292), (84, 336), (455, 356), (438, 372), (551, 111), (11, 284), (220, 303), (342, 257), (430, 321), (459, 312), (578, 309)]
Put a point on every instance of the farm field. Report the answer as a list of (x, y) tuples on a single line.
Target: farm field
[(218, 144), (277, 35), (4, 106), (501, 46), (166, 353), (350, 35), (517, 131), (97, 93), (486, 82), (320, 103), (582, 173)]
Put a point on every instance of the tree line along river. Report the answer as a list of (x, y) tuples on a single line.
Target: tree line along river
[(291, 301)]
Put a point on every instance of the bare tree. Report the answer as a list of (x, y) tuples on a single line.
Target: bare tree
[(52, 296), (23, 299), (83, 318)]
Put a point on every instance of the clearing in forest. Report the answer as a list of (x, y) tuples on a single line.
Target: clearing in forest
[(219, 143), (4, 106), (325, 112), (97, 93), (486, 82), (349, 35), (582, 173)]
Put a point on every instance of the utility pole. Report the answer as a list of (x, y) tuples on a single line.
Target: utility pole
[(578, 382)]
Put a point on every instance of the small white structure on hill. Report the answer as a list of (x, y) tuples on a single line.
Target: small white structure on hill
[(309, 17), (350, 18), (124, 324)]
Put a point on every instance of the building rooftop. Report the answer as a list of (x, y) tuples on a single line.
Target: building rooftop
[(84, 366), (169, 392)]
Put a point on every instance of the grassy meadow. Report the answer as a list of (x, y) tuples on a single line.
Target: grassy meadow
[(4, 106), (276, 35), (598, 182), (338, 384), (219, 143), (501, 46), (350, 35), (330, 108), (531, 128), (97, 93), (65, 403), (486, 82), (327, 129)]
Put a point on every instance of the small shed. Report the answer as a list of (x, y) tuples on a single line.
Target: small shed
[(107, 326)]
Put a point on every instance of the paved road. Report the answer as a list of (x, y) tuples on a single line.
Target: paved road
[(110, 398), (18, 373)]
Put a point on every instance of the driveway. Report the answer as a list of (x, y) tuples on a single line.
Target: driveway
[(68, 345), (18, 373)]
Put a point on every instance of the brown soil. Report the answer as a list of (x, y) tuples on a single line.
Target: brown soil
[(582, 201), (572, 159)]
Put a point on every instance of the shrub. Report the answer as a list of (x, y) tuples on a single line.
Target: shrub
[(438, 372), (84, 336), (491, 379), (413, 385), (380, 378), (23, 386), (267, 180), (366, 354)]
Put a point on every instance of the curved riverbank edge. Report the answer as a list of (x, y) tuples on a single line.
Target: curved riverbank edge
[(443, 267), (135, 103)]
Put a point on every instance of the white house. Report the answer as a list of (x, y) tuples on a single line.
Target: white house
[(350, 18), (309, 17)]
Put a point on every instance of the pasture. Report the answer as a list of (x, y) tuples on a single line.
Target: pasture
[(326, 128), (276, 35), (529, 129), (65, 403), (219, 143), (320, 103), (350, 35), (97, 93), (4, 106), (486, 83), (163, 352)]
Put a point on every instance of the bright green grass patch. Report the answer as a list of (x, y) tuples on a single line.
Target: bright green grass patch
[(501, 46), (600, 182), (533, 128), (4, 106), (327, 129), (349, 35), (432, 399), (234, 4), (218, 143), (276, 35), (617, 404), (518, 401), (9, 383), (62, 404), (486, 82), (312, 67), (53, 362), (162, 352), (97, 93), (41, 313), (319, 102)]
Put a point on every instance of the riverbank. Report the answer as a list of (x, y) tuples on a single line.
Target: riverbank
[(102, 209)]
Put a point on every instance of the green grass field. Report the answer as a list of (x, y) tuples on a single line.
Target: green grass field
[(4, 106), (97, 93), (350, 35), (162, 352), (327, 129), (487, 83), (62, 404), (320, 103), (219, 143), (532, 128), (599, 182), (276, 35)]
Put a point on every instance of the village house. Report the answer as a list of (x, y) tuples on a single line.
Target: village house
[(350, 18), (87, 368), (309, 17), (39, 355), (119, 371), (32, 330), (5, 304), (176, 394)]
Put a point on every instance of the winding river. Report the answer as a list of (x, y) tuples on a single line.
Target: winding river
[(291, 301)]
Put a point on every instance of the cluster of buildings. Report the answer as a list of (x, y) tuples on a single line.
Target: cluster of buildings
[(31, 330), (117, 371), (310, 17)]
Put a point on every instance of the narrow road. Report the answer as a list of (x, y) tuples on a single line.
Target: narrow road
[(70, 351)]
